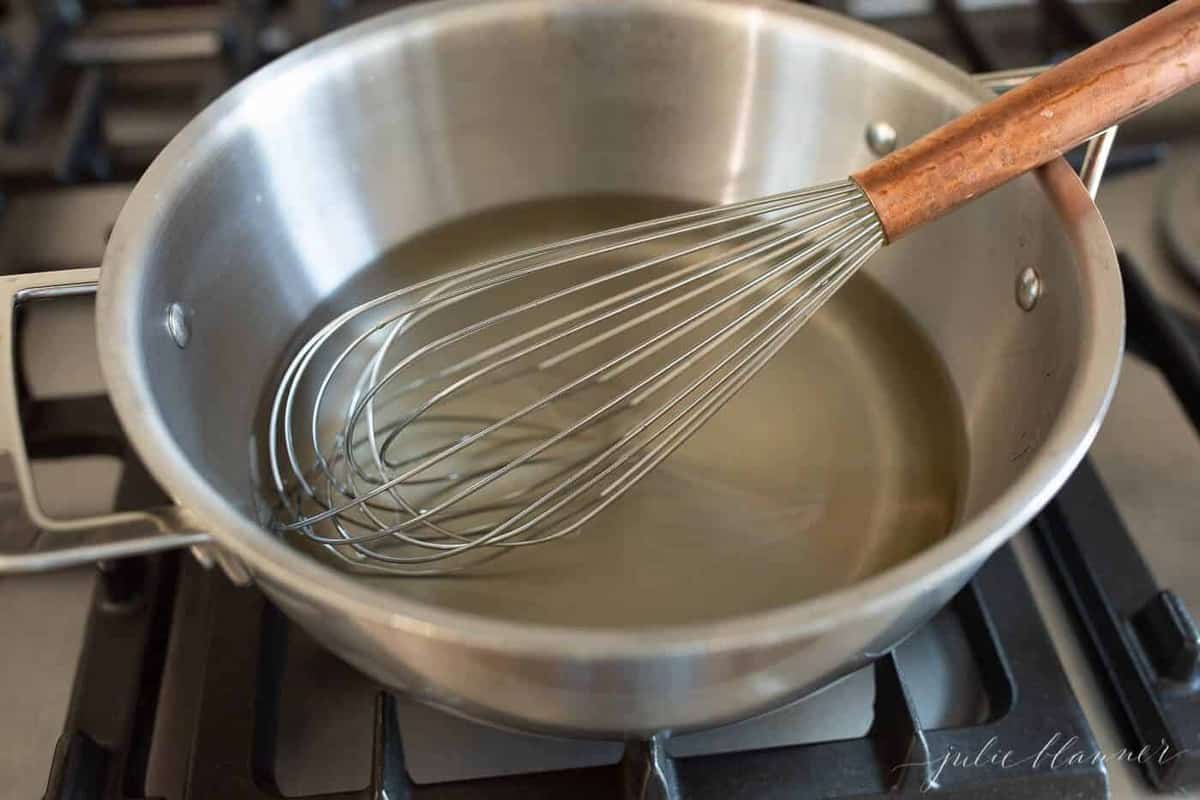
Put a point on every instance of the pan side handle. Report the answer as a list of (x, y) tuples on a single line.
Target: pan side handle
[(79, 540)]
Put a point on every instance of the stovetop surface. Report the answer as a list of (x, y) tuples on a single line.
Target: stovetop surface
[(1147, 454)]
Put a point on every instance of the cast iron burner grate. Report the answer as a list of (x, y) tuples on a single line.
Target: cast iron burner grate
[(103, 753), (1143, 639)]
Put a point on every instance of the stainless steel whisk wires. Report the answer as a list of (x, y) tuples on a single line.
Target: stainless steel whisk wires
[(506, 404)]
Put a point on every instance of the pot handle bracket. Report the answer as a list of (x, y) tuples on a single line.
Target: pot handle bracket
[(1095, 157), (93, 538)]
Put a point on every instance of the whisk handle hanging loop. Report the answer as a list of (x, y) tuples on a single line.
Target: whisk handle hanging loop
[(1038, 121)]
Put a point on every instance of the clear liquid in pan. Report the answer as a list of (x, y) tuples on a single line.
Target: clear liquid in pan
[(841, 458)]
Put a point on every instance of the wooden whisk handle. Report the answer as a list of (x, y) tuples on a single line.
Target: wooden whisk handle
[(1038, 121)]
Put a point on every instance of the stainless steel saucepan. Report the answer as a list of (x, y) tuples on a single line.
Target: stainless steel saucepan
[(834, 506)]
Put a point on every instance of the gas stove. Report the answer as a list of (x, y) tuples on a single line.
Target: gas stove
[(1067, 668)]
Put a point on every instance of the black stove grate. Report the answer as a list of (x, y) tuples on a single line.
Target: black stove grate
[(1143, 639), (102, 756)]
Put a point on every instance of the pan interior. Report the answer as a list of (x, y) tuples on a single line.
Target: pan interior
[(844, 456)]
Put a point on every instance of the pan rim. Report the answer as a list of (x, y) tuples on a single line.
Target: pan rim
[(278, 564)]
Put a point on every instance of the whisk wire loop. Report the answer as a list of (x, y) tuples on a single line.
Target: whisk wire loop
[(506, 404)]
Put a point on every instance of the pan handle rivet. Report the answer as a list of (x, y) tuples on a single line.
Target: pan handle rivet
[(178, 325), (1029, 288), (881, 138)]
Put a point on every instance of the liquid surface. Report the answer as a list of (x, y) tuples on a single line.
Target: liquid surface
[(841, 458)]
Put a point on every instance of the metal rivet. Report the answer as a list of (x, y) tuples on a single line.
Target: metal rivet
[(1029, 288), (881, 138), (177, 324)]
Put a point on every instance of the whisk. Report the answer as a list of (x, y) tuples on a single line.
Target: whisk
[(506, 404)]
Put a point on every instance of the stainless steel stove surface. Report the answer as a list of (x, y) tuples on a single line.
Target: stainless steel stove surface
[(116, 683)]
